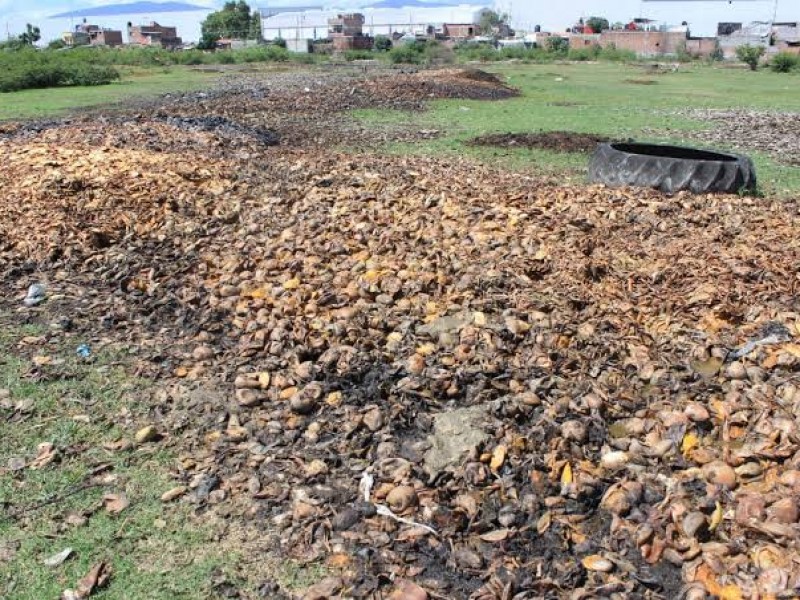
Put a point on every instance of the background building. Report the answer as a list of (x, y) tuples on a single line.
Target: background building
[(86, 34), (313, 24), (153, 34)]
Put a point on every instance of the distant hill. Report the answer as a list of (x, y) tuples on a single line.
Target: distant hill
[(419, 3), (131, 9)]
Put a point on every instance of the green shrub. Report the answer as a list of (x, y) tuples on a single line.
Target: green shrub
[(614, 54), (383, 43), (527, 54), (437, 54), (750, 55), (783, 62), (717, 54), (224, 57), (557, 45), (407, 54), (302, 59), (352, 55), (478, 52), (191, 57), (682, 53), (580, 54), (30, 69)]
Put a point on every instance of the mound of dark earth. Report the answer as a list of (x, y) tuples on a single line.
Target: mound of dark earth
[(556, 141)]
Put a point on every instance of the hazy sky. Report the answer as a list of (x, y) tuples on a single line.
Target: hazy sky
[(702, 15)]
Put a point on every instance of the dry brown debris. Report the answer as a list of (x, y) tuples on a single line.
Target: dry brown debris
[(556, 141), (323, 310)]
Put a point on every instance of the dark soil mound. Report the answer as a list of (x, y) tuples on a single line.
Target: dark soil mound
[(557, 141), (478, 75)]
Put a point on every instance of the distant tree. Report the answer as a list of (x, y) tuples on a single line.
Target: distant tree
[(750, 55), (56, 45), (235, 20), (597, 24), (717, 53), (255, 25), (383, 43), (208, 41), (682, 52), (30, 36), (557, 45), (491, 19), (280, 42)]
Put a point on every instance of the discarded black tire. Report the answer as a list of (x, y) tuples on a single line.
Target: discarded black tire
[(671, 168)]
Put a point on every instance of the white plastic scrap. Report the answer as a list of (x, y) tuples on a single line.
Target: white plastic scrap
[(365, 485), (365, 488), (387, 512), (772, 333)]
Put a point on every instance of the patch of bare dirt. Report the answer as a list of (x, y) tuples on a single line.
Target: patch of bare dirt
[(555, 141)]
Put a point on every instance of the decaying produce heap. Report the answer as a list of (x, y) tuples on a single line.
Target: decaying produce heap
[(437, 377)]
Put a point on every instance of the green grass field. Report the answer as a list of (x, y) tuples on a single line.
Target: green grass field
[(78, 410), (603, 98), (135, 84)]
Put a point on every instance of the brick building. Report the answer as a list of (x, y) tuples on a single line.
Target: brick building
[(460, 31), (646, 43), (155, 35), (86, 34), (347, 33)]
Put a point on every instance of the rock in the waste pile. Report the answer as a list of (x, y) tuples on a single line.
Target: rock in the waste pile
[(373, 419), (203, 353), (401, 498), (305, 401), (36, 295), (146, 434), (446, 324), (573, 430), (468, 559), (345, 519), (736, 370), (324, 590), (248, 397), (406, 590), (720, 473), (455, 433), (785, 510), (693, 523)]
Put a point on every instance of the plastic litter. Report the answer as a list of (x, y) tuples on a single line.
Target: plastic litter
[(772, 333)]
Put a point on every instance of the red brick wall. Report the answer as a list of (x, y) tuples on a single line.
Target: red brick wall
[(701, 46), (343, 43), (583, 40), (784, 47), (460, 30), (644, 43), (110, 38)]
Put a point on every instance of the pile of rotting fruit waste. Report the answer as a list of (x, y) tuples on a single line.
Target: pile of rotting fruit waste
[(435, 379)]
